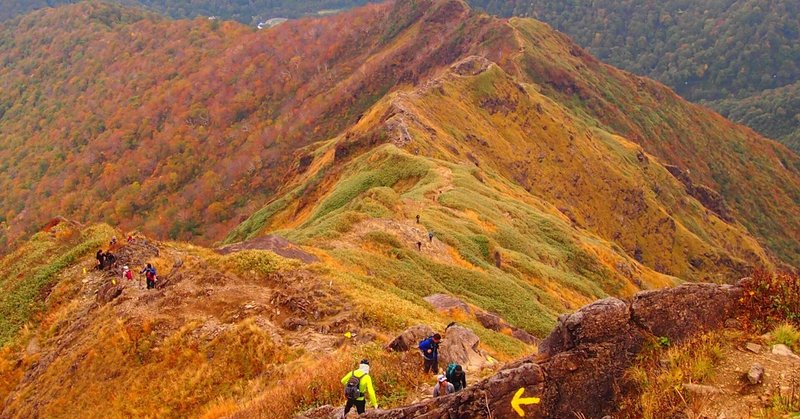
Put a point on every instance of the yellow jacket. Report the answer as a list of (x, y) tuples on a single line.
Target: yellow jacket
[(365, 386)]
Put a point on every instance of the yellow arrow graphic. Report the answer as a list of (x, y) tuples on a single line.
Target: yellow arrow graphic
[(519, 400)]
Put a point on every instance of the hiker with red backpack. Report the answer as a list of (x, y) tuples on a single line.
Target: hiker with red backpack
[(429, 347), (127, 273), (357, 385), (150, 276)]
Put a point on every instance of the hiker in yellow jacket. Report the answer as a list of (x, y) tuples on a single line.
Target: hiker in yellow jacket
[(357, 385)]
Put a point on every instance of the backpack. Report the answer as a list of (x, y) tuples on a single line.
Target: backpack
[(451, 372), (352, 389)]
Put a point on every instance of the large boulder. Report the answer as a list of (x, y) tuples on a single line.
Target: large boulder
[(410, 338), (685, 310), (448, 304), (460, 345), (494, 322), (602, 321)]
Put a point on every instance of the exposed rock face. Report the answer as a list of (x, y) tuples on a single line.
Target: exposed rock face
[(471, 66), (494, 322), (685, 310), (710, 198), (410, 338), (109, 292), (448, 304), (452, 306), (580, 369), (460, 345)]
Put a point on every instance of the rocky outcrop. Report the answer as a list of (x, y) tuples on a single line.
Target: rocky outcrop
[(448, 304), (580, 369), (460, 345), (453, 306), (410, 338), (471, 66), (710, 198), (685, 310)]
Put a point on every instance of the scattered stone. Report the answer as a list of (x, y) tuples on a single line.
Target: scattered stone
[(294, 323), (783, 350), (702, 390), (733, 324), (756, 374), (33, 347), (753, 347)]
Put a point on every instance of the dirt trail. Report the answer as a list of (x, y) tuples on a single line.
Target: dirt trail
[(740, 399)]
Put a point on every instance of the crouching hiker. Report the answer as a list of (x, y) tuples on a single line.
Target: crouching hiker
[(443, 387), (357, 385)]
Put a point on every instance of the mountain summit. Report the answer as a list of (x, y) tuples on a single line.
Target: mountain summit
[(391, 155)]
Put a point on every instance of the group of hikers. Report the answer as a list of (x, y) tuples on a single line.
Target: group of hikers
[(107, 259), (358, 383), (430, 237)]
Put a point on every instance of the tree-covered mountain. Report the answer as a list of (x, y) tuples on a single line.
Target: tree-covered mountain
[(772, 112), (734, 51), (250, 11), (724, 53)]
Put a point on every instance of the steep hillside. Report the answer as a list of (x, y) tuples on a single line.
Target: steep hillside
[(181, 128), (721, 50), (497, 113), (155, 149), (218, 328), (249, 12)]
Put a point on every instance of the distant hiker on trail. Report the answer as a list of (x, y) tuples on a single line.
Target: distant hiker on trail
[(101, 259), (110, 259), (429, 347), (357, 385), (430, 236), (456, 376), (130, 239), (419, 246), (113, 241), (417, 219), (150, 275), (127, 274), (443, 387)]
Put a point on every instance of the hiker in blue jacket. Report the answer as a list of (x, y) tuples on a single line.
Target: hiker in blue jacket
[(429, 348)]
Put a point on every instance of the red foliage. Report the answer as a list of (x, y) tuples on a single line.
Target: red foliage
[(769, 299)]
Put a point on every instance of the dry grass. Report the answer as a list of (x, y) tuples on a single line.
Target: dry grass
[(314, 381), (663, 370)]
